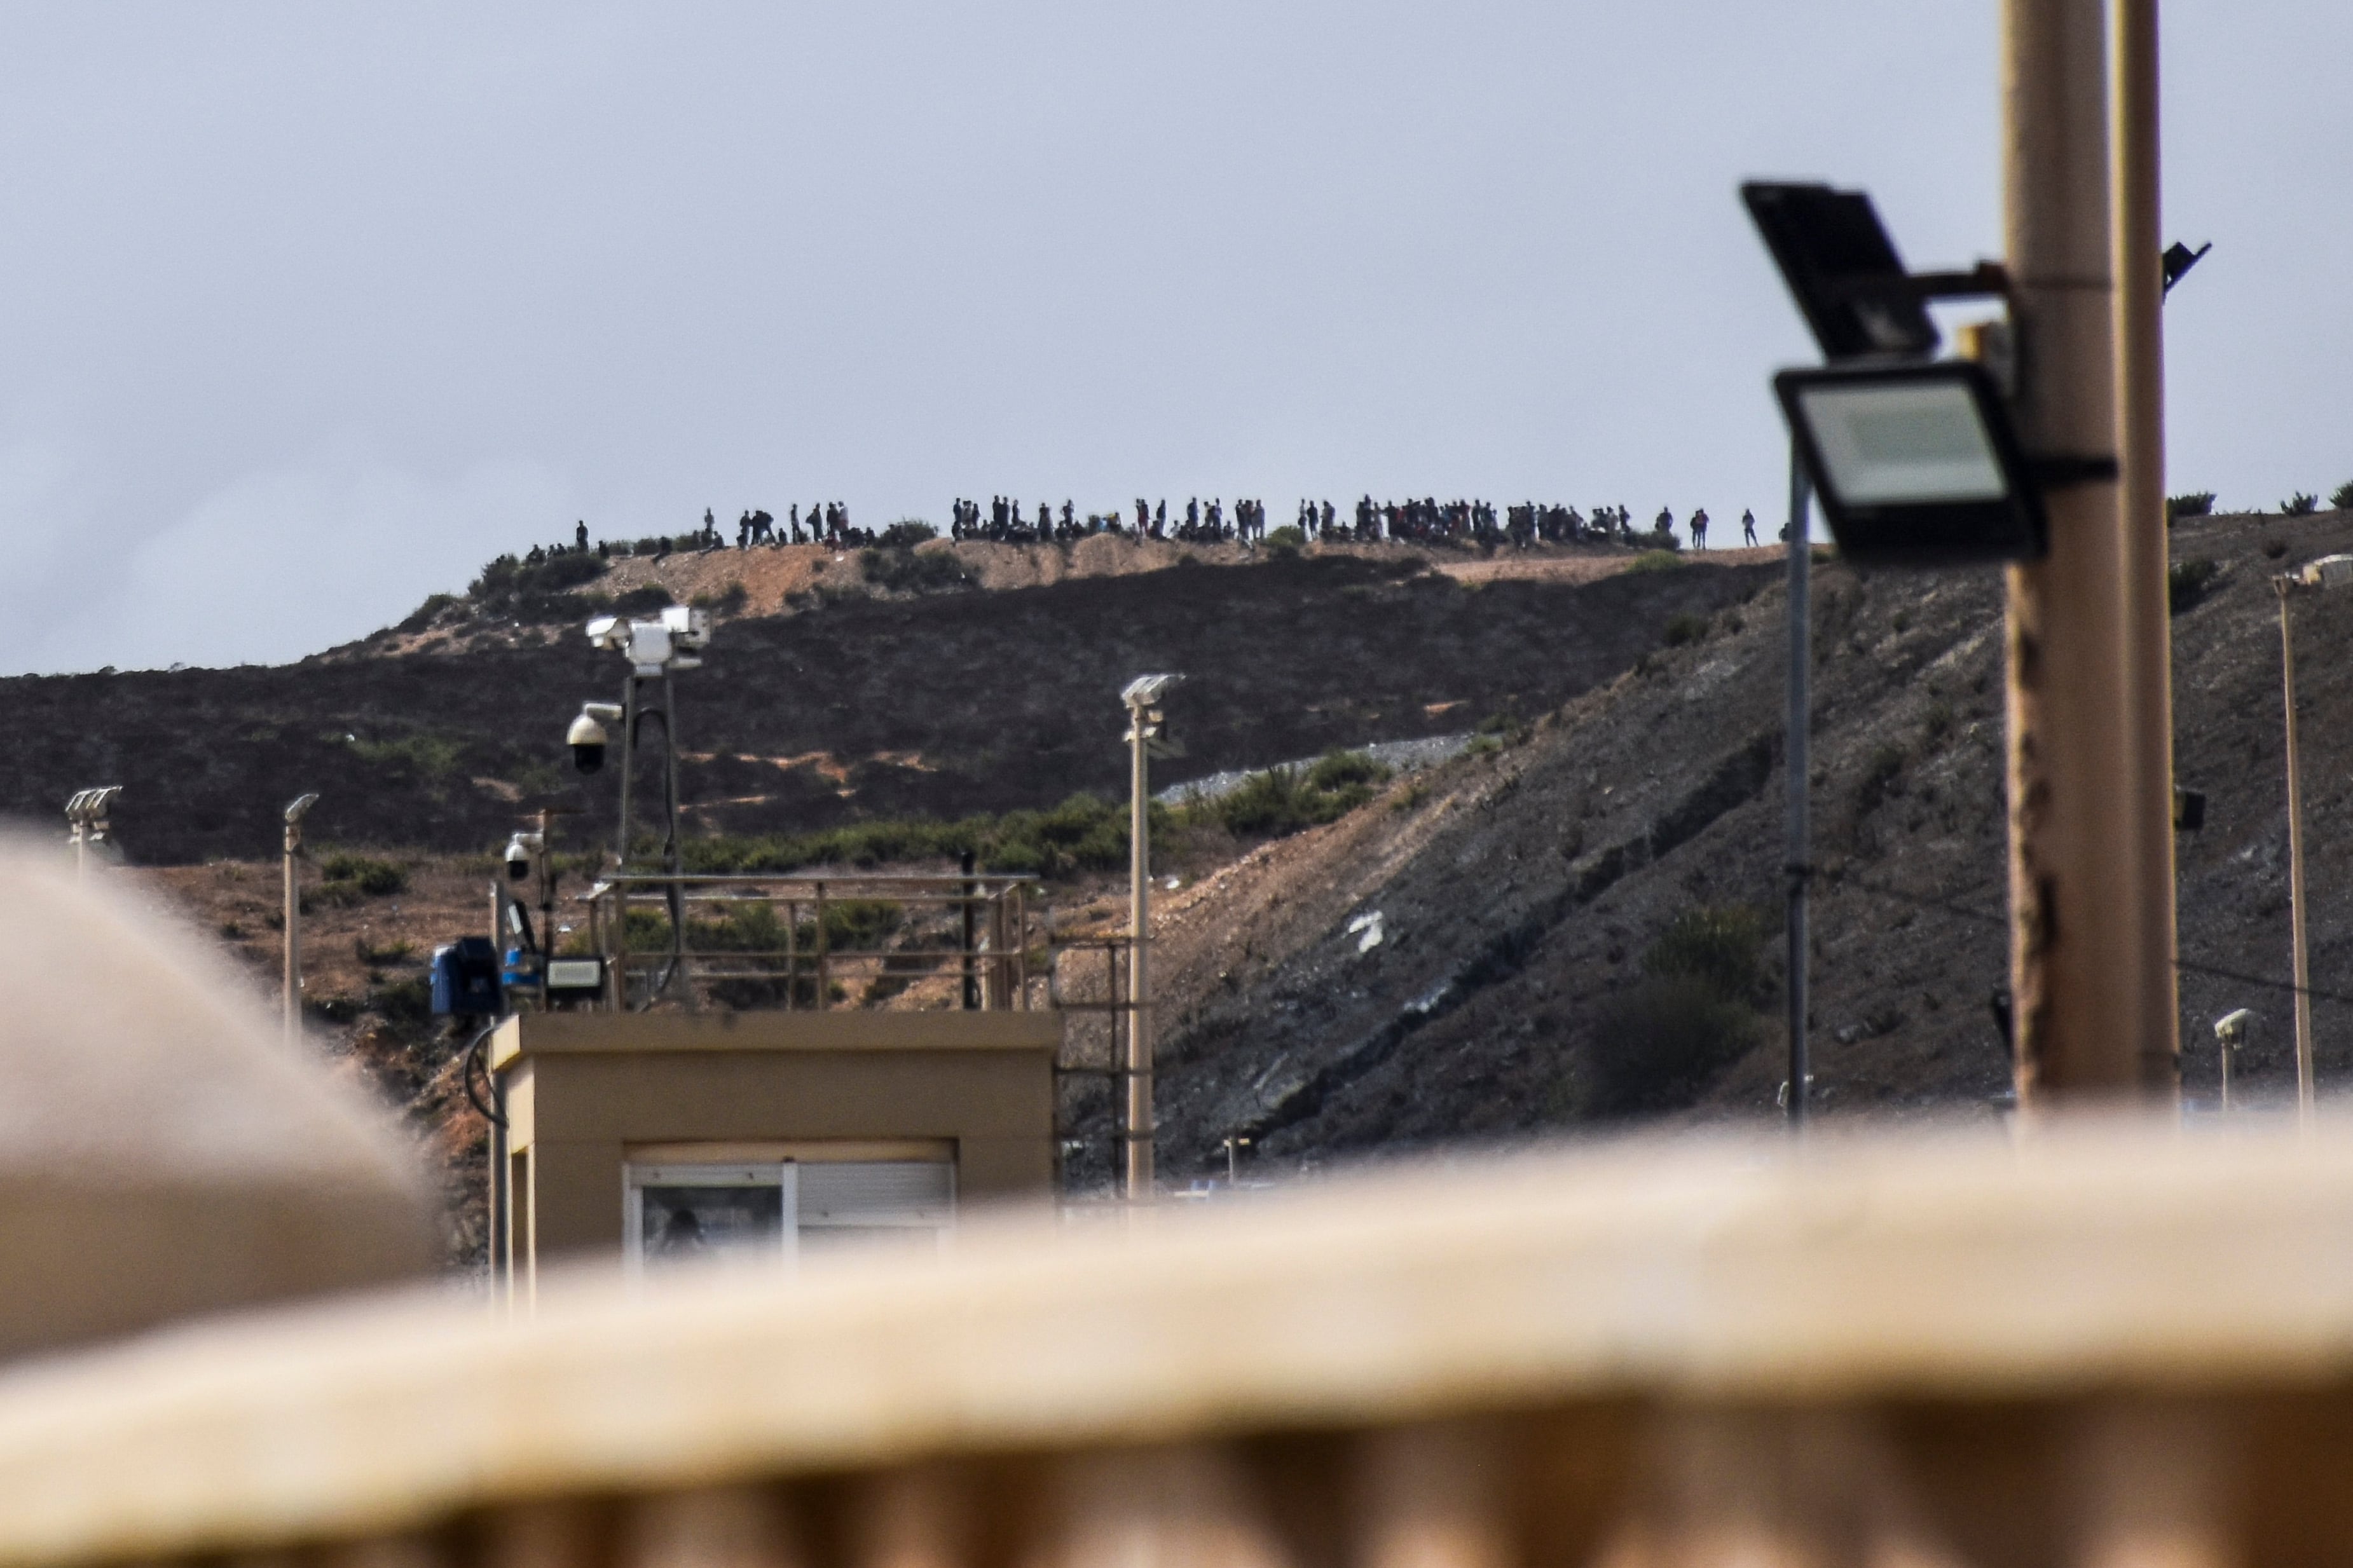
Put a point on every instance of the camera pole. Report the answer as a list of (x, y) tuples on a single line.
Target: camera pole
[(295, 811)]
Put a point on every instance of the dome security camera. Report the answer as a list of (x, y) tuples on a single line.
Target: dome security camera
[(587, 737), (521, 850)]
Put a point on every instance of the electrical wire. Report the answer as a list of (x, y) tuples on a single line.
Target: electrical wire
[(2186, 965), (465, 1069)]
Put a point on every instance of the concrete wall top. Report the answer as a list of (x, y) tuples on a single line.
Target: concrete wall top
[(847, 1029)]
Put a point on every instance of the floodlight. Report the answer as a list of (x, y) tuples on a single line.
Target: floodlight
[(2328, 572), (1146, 690), (1835, 255), (688, 628), (1915, 464)]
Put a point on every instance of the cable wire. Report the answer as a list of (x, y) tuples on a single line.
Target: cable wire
[(2187, 965)]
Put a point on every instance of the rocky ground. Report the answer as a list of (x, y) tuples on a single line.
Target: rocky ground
[(1518, 891)]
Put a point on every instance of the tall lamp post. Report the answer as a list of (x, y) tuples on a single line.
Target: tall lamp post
[(1798, 849), (296, 810), (1145, 724), (2328, 572)]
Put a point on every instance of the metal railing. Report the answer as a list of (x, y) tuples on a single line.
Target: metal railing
[(811, 942)]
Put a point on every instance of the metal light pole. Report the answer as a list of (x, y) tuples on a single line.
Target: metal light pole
[(1794, 751), (295, 811), (2089, 790), (2327, 571), (1144, 719), (2229, 1033)]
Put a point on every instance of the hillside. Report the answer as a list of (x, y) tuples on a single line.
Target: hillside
[(1519, 893), (1574, 924), (852, 705)]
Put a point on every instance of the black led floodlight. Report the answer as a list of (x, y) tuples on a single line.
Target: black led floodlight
[(1850, 285), (1915, 465)]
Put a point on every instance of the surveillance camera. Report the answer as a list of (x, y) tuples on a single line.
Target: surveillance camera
[(519, 856), (689, 626), (587, 737), (2232, 1028), (587, 740)]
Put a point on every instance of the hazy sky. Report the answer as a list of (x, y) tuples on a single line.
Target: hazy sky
[(311, 307)]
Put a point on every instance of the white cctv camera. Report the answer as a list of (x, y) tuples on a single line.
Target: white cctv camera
[(523, 850), (587, 737)]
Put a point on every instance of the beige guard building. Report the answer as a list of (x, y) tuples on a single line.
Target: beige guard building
[(755, 1133)]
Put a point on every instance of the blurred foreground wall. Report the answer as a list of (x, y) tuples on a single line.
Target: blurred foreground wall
[(163, 1153)]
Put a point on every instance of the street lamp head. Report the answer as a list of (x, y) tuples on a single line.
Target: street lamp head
[(88, 809), (2232, 1028), (1915, 464), (299, 808), (1840, 264), (1146, 690), (2328, 572)]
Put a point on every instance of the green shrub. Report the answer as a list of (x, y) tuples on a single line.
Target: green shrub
[(406, 1001), (1720, 946), (726, 603), (643, 601), (1290, 536), (2301, 504), (418, 756), (2341, 498), (426, 613), (2195, 504), (376, 879), (1693, 1013), (2185, 583), (904, 571), (509, 578), (1659, 1042), (1281, 801), (908, 532), (1685, 628), (1655, 560)]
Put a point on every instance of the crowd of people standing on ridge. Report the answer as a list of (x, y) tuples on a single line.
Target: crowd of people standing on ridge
[(1426, 520)]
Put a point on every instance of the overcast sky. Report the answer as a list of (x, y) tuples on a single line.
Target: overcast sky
[(311, 307)]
